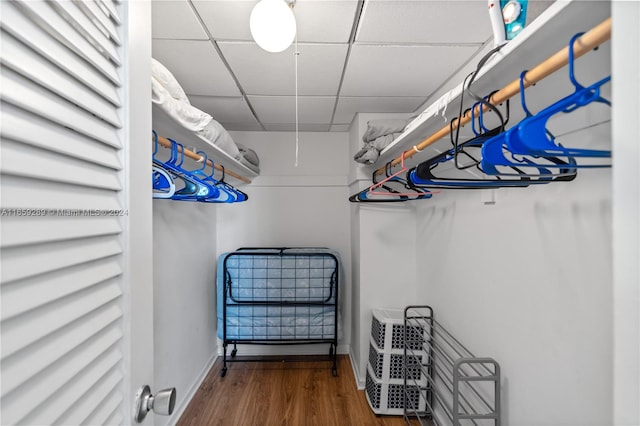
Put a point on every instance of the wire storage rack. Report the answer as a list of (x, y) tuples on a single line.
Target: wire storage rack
[(461, 389)]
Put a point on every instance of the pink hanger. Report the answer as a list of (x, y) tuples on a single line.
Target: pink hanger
[(403, 169)]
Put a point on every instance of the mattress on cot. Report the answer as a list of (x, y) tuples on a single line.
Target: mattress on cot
[(299, 285)]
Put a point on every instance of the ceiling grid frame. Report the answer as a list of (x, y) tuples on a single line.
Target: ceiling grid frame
[(346, 102), (214, 43)]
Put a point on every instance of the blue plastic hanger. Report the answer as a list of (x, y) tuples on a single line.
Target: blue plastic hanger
[(496, 154), (224, 194), (502, 148), (195, 189), (163, 185), (240, 196), (186, 185), (427, 174), (532, 134), (196, 185), (423, 175), (531, 139)]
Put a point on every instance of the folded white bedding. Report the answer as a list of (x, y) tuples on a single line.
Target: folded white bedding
[(168, 81), (249, 154), (249, 164), (371, 150), (217, 134), (190, 117), (249, 158), (171, 98), (379, 134), (383, 127)]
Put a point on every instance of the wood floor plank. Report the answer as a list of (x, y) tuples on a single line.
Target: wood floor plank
[(300, 393)]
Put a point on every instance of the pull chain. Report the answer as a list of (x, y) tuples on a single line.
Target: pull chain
[(296, 53)]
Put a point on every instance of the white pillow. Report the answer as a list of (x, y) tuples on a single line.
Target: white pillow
[(168, 81)]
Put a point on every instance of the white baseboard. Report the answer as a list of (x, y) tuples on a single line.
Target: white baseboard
[(360, 382), (184, 402)]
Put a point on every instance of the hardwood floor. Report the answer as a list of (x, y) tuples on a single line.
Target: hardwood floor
[(300, 393)]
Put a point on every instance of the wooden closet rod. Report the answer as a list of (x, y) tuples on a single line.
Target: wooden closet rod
[(167, 144), (588, 41)]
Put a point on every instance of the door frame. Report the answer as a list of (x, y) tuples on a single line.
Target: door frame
[(138, 232)]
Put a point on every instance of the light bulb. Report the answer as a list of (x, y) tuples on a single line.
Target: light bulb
[(272, 25)]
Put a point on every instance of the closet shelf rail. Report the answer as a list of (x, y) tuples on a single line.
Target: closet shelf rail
[(588, 41), (188, 153)]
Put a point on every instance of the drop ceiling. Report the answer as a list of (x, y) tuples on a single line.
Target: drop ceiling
[(355, 56)]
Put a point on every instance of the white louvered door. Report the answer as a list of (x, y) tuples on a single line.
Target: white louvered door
[(75, 235)]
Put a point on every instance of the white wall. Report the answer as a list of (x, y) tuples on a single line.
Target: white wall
[(354, 217), (294, 206), (383, 273), (527, 281), (184, 255), (386, 270), (288, 206), (626, 211)]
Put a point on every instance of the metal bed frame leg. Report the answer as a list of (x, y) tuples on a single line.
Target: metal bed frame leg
[(234, 351), (333, 351), (223, 372)]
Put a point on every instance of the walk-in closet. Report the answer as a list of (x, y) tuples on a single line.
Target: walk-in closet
[(318, 212)]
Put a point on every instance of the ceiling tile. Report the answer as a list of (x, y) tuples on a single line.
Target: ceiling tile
[(262, 73), (282, 109), (224, 109), (325, 21), (302, 127), (401, 71), (251, 126), (175, 19), (413, 21), (340, 127), (317, 20), (226, 20), (348, 107), (197, 67), (405, 50)]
